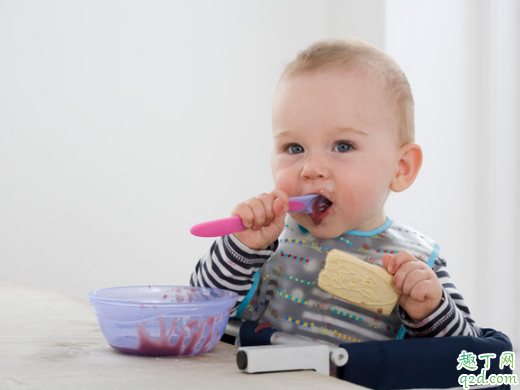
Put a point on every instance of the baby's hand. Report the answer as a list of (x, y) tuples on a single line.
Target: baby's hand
[(419, 288), (264, 218)]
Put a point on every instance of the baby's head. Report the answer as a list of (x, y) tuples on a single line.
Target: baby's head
[(350, 54), (343, 127)]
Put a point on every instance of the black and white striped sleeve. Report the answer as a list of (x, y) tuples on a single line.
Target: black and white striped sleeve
[(452, 318), (230, 265)]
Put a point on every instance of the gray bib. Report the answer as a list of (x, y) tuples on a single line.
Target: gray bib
[(286, 293)]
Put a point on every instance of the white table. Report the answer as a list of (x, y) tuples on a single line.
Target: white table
[(51, 341)]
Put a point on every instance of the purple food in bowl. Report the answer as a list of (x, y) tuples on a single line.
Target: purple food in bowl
[(162, 320)]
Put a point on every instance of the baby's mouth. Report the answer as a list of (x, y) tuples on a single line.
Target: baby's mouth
[(320, 209)]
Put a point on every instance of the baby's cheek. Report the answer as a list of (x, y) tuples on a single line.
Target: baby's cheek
[(285, 182)]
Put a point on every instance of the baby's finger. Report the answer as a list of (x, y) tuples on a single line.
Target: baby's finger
[(267, 201), (414, 276), (259, 213), (386, 260), (424, 289), (406, 270), (393, 263), (284, 198), (280, 207), (245, 212)]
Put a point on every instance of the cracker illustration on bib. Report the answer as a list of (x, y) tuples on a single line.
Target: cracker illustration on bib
[(351, 279)]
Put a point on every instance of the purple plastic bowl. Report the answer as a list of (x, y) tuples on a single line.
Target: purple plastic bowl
[(163, 320)]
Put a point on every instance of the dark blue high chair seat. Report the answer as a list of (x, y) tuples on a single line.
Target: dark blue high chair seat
[(421, 363), (426, 363)]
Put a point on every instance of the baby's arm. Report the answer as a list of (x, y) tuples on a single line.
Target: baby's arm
[(233, 260), (450, 315), (230, 265)]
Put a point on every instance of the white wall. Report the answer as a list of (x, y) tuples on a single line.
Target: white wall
[(126, 122), (463, 61), (123, 123)]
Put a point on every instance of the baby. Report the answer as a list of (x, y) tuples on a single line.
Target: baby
[(343, 127)]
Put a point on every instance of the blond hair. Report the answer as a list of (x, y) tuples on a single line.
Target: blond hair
[(355, 52)]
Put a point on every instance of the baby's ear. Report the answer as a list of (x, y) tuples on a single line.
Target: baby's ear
[(408, 167)]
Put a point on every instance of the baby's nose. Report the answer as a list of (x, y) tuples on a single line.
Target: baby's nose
[(315, 168)]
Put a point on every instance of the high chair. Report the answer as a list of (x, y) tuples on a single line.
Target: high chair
[(418, 363)]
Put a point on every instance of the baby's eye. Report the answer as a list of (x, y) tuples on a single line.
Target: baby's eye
[(294, 149), (343, 147)]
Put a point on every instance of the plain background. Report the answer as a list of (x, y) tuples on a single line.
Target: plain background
[(123, 123)]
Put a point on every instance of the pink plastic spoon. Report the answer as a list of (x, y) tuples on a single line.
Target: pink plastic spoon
[(223, 227)]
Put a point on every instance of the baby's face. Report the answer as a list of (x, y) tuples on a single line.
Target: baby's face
[(335, 134)]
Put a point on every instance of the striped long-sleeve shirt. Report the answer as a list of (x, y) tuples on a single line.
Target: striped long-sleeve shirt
[(231, 265)]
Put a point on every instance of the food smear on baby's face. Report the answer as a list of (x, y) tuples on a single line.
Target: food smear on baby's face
[(320, 209)]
